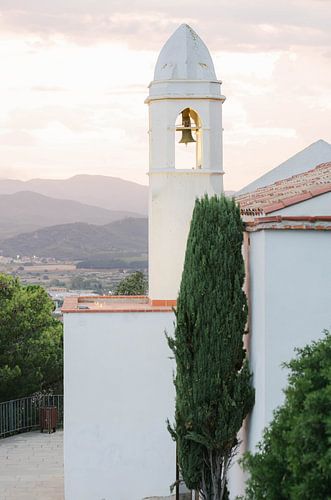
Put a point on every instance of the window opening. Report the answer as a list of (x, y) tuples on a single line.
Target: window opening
[(188, 148)]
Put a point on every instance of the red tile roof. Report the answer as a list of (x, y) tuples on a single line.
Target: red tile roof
[(287, 192), (311, 223), (116, 304)]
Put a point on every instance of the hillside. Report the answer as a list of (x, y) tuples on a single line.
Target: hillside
[(25, 211), (81, 241), (111, 193)]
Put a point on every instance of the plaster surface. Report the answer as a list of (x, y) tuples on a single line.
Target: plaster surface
[(184, 56), (118, 395), (290, 307)]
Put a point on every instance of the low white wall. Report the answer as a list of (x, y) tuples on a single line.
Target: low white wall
[(118, 395)]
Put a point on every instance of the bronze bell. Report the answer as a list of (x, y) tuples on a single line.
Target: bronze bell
[(186, 132)]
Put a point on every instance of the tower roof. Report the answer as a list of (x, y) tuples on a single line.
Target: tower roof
[(184, 57)]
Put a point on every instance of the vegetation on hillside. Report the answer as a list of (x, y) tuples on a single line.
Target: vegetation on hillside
[(80, 241), (31, 351), (134, 284), (25, 211), (293, 461), (213, 381), (109, 263)]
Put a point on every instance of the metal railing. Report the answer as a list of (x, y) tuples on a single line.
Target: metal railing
[(22, 415)]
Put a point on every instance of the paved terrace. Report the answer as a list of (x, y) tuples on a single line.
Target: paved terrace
[(31, 467)]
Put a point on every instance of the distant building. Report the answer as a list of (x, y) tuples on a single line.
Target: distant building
[(118, 375)]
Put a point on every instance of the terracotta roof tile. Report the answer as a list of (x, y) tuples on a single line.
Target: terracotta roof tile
[(116, 304), (286, 222), (287, 192)]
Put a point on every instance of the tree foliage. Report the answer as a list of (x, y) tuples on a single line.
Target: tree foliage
[(134, 284), (213, 381), (31, 352), (293, 461)]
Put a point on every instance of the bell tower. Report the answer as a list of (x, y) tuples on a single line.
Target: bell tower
[(185, 153)]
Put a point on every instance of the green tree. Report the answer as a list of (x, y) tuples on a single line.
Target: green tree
[(134, 284), (31, 352), (213, 381), (293, 461)]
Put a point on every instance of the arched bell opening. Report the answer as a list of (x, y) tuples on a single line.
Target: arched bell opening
[(188, 137)]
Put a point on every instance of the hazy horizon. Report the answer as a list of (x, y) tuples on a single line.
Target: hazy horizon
[(67, 178), (75, 76)]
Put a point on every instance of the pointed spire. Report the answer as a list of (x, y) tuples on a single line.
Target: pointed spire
[(185, 57)]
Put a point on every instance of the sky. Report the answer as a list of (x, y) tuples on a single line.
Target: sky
[(74, 76)]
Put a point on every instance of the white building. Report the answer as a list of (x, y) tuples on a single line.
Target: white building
[(185, 87), (118, 375), (288, 266)]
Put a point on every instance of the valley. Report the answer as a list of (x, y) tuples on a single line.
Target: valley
[(84, 240)]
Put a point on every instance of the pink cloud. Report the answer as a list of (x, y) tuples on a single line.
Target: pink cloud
[(226, 25)]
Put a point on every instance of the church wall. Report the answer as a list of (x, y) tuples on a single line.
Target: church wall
[(118, 395), (172, 198), (290, 306), (257, 315), (319, 205)]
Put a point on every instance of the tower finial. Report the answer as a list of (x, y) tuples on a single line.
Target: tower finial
[(185, 56)]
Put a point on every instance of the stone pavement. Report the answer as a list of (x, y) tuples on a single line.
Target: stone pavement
[(31, 467)]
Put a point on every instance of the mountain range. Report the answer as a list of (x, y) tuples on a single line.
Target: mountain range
[(106, 192), (26, 211), (77, 241), (84, 217)]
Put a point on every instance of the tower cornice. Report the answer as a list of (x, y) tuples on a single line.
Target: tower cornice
[(184, 97), (181, 80), (185, 171)]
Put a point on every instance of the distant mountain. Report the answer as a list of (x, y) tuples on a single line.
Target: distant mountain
[(81, 241), (26, 211), (111, 193)]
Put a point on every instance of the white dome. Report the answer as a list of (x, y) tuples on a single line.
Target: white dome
[(184, 57)]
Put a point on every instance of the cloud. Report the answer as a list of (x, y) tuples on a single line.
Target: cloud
[(128, 89), (17, 138), (146, 24), (77, 120), (74, 77), (47, 88)]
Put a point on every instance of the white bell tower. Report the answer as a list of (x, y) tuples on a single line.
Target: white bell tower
[(185, 144)]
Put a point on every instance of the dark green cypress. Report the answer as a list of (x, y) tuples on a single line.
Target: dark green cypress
[(213, 381)]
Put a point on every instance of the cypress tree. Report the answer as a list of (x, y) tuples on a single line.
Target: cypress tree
[(213, 381)]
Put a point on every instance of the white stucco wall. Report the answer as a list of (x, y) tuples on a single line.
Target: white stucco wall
[(290, 295), (290, 273), (118, 395), (172, 197)]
